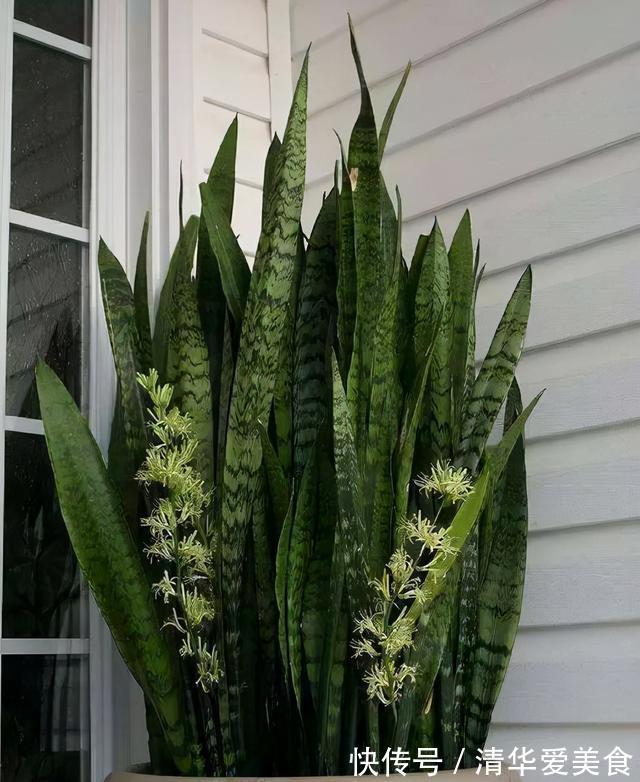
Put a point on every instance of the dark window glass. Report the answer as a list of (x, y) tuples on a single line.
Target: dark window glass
[(41, 585), (70, 18), (44, 315), (43, 728), (48, 133)]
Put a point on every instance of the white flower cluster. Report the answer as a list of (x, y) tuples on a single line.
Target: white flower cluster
[(385, 634), (178, 537)]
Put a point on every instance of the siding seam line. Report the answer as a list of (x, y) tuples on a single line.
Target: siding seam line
[(236, 109), (503, 20), (579, 157), (234, 43)]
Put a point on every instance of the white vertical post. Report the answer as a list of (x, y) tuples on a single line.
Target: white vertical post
[(108, 219), (6, 76), (279, 42)]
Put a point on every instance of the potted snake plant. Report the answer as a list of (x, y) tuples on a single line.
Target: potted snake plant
[(302, 542)]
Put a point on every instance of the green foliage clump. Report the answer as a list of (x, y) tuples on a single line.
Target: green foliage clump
[(304, 542)]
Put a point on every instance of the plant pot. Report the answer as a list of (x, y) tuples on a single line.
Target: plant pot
[(448, 776)]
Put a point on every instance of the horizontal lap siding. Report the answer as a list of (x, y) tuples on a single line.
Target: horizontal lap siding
[(528, 113), (231, 76)]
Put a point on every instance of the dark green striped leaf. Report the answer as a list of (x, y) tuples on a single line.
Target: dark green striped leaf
[(234, 269), (496, 374), (111, 563), (462, 294), (254, 382), (128, 440), (391, 110), (500, 595), (315, 314), (141, 299)]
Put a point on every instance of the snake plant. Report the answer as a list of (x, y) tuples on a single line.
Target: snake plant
[(303, 541)]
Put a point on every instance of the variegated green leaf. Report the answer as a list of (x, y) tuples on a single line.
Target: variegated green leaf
[(111, 563), (128, 440), (179, 268), (500, 595), (462, 295), (496, 374), (234, 269), (141, 299), (254, 382), (391, 110), (315, 315)]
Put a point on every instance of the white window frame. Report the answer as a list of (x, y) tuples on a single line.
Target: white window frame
[(107, 217)]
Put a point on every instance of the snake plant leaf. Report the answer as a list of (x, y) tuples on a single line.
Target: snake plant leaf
[(283, 414), (384, 420), (462, 294), (314, 317), (319, 606), (334, 652), (433, 306), (430, 639), (366, 191), (264, 571), (109, 559), (499, 454), (496, 374), (221, 181), (276, 479), (282, 569), (141, 299), (415, 269), (434, 610), (179, 267), (432, 292), (255, 376), (298, 561), (391, 110), (270, 169), (128, 441), (353, 531), (234, 269), (188, 371), (346, 290), (407, 439), (224, 386), (500, 594), (470, 377)]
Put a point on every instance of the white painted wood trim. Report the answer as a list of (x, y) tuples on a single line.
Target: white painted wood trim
[(108, 219), (279, 39), (159, 227), (53, 646), (6, 78), (51, 40), (44, 225), (25, 425)]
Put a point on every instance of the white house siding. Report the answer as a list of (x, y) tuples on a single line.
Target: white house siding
[(529, 114), (227, 60)]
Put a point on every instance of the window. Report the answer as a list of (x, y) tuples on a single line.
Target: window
[(44, 257)]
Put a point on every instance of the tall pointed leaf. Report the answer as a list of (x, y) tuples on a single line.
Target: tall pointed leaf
[(260, 342), (462, 287), (500, 595), (111, 563), (141, 299), (234, 269), (179, 268), (128, 441), (315, 314), (496, 374), (391, 110)]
